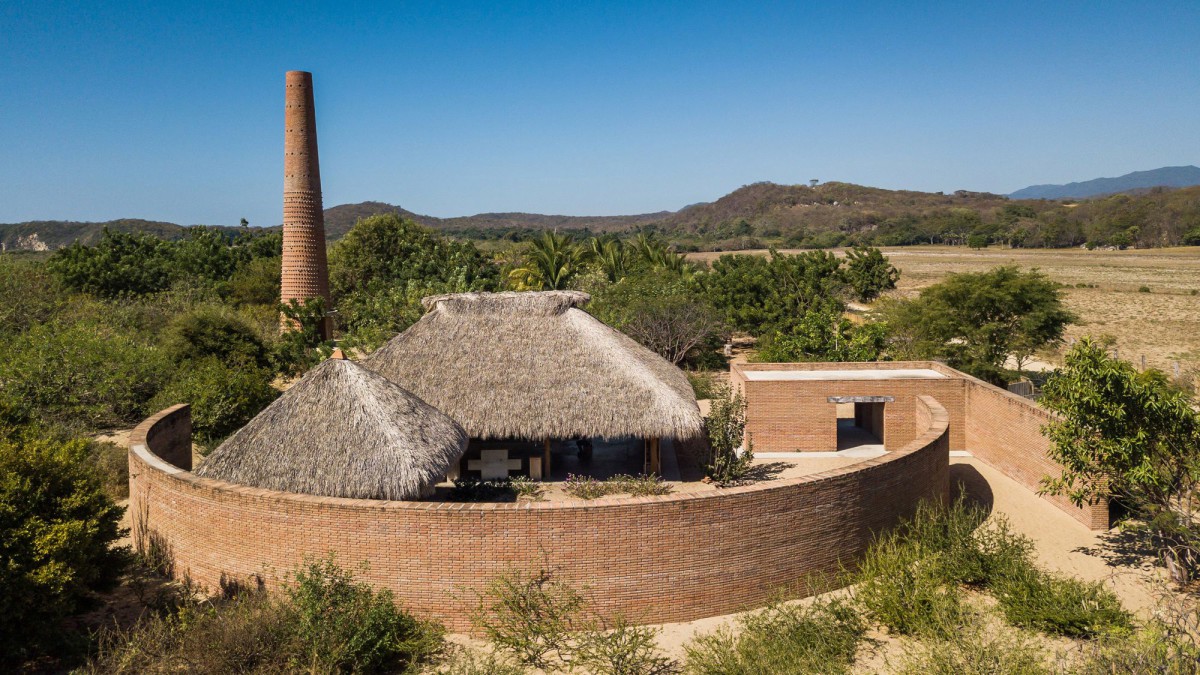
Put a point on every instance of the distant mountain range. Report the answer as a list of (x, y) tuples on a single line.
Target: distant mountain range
[(747, 217), (1167, 176)]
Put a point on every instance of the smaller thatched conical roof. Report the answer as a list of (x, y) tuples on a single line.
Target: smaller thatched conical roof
[(342, 431)]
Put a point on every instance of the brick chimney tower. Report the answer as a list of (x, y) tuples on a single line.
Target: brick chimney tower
[(305, 269)]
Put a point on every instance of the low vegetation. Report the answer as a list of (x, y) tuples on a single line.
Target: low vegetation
[(586, 487), (541, 622), (821, 637), (325, 622)]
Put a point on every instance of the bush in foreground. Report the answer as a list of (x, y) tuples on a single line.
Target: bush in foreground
[(541, 622), (1032, 598), (782, 639), (57, 529), (975, 650), (325, 623)]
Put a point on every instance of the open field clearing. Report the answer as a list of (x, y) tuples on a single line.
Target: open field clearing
[(1163, 325)]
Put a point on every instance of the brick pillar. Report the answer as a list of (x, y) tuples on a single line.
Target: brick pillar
[(305, 269)]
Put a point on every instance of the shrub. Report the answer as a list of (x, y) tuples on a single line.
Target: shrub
[(975, 650), (345, 626), (586, 487), (704, 385), (218, 332), (819, 638), (81, 375), (326, 623), (904, 588), (640, 486), (1032, 598), (726, 430), (223, 398), (110, 463), (31, 295), (530, 616), (251, 633), (965, 549), (1169, 645), (57, 529), (622, 649), (505, 490), (1143, 289)]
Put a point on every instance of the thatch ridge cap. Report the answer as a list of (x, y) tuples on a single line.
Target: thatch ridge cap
[(533, 302)]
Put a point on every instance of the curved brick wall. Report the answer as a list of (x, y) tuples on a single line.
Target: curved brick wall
[(654, 559)]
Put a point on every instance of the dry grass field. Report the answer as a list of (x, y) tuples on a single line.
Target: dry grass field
[(1163, 325)]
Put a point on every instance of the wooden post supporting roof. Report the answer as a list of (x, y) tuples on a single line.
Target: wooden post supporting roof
[(546, 470)]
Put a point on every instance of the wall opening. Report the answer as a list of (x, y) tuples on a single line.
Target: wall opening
[(860, 421)]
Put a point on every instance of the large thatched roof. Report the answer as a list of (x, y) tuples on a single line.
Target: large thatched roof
[(342, 431), (534, 365)]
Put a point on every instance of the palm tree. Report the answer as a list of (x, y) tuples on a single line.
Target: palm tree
[(654, 253), (611, 255), (551, 262)]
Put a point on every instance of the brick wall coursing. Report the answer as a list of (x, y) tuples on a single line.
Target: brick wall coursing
[(995, 425), (796, 415), (654, 559), (1005, 431)]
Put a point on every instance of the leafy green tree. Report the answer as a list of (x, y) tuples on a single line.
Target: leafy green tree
[(207, 254), (82, 374), (551, 263), (974, 321), (386, 249), (257, 282), (869, 272), (121, 263), (215, 331), (57, 536), (223, 397), (384, 265), (302, 345), (824, 336), (761, 294), (1131, 436), (661, 310)]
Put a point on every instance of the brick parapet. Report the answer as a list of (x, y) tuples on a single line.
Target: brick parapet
[(998, 427), (675, 557)]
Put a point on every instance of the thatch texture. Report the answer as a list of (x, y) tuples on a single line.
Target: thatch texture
[(342, 431), (534, 366)]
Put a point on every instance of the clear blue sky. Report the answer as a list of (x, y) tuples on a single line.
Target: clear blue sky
[(174, 110)]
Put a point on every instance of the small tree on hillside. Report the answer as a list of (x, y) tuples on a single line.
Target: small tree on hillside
[(1128, 435)]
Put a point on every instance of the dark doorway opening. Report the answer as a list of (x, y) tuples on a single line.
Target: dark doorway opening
[(860, 420)]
